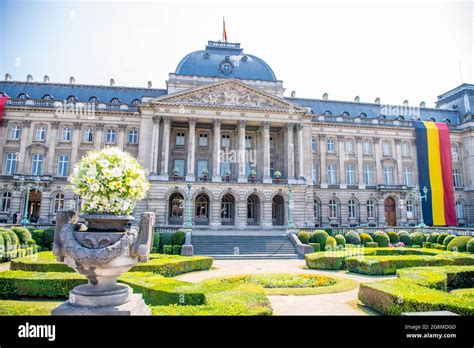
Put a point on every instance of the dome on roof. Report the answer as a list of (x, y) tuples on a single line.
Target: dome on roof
[(223, 59)]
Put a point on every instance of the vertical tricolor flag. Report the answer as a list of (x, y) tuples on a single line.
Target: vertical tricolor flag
[(436, 173), (3, 101), (224, 32)]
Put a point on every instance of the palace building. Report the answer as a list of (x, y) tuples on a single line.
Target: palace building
[(224, 132)]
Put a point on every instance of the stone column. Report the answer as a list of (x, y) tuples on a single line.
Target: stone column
[(24, 141), (15, 206), (378, 162), (241, 152), (266, 152), (299, 136), (165, 149), (52, 148), (398, 153), (342, 169), (75, 143), (99, 131), (121, 136), (45, 208), (215, 214), (216, 152), (360, 164), (145, 142), (266, 206), (290, 152), (322, 156), (241, 214), (155, 145), (190, 172)]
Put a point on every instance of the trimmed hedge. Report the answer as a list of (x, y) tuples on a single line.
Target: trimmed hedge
[(331, 244), (177, 249), (353, 237), (426, 245), (441, 238), (381, 238), (470, 245), (458, 243), (372, 245), (418, 238), (23, 234), (178, 238), (303, 237), (167, 249), (326, 260), (405, 238), (166, 238), (156, 243), (365, 238), (433, 237), (340, 239), (316, 247), (320, 238), (448, 239), (44, 238), (393, 236)]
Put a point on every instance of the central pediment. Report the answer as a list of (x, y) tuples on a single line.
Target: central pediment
[(229, 94)]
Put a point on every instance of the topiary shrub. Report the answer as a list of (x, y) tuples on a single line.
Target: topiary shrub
[(417, 238), (177, 249), (426, 245), (470, 245), (23, 234), (320, 237), (166, 238), (458, 243), (340, 239), (178, 238), (381, 238), (167, 249), (372, 245), (448, 238), (365, 238), (331, 244), (316, 247), (393, 236), (433, 238), (44, 238), (441, 238), (303, 237), (406, 238), (353, 237)]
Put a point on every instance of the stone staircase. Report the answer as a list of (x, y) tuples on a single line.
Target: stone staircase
[(229, 246)]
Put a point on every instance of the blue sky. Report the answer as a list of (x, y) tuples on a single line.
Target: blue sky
[(395, 51)]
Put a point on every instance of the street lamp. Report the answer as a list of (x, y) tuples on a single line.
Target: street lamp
[(188, 223), (27, 188), (290, 207), (419, 198)]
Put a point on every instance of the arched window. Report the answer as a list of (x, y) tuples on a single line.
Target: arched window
[(253, 210), (227, 210), (201, 206), (58, 202), (22, 96), (5, 202), (459, 210), (363, 115), (136, 102), (371, 209), (432, 119), (71, 99), (176, 205), (47, 97), (352, 206), (327, 113), (115, 101), (333, 209), (400, 118), (93, 100), (447, 121), (345, 113)]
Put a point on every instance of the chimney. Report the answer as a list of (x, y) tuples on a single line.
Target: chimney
[(149, 84), (46, 79), (112, 82), (325, 96), (29, 78), (377, 100), (72, 80), (293, 94), (8, 77), (422, 104), (357, 99)]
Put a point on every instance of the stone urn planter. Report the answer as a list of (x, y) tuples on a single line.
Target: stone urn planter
[(102, 253)]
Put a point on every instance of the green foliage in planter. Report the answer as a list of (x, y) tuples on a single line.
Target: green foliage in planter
[(470, 245), (316, 247), (167, 249), (418, 238), (433, 238), (303, 236), (352, 237), (320, 237), (178, 238), (365, 238), (441, 238), (340, 239), (23, 234), (381, 238), (405, 238), (177, 249), (331, 244), (372, 245), (448, 239), (426, 245), (326, 260), (458, 243), (393, 236)]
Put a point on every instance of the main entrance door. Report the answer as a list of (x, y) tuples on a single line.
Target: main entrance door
[(390, 212), (34, 204)]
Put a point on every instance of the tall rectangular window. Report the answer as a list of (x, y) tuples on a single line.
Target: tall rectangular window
[(40, 133), (10, 163), (388, 175), (201, 165), (203, 139), (367, 147), (111, 136), (349, 146), (314, 144), (457, 178), (350, 174), (330, 145), (224, 167), (179, 167), (15, 132), (314, 173), (63, 165), (133, 136), (405, 150), (369, 175), (410, 210), (370, 209), (88, 135), (37, 164), (180, 138), (331, 171), (407, 177), (66, 134), (248, 141), (386, 151), (454, 152), (225, 140), (272, 143)]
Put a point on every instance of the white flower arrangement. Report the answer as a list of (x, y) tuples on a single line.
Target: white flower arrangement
[(109, 181)]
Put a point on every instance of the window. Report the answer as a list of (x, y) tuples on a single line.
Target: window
[(457, 177), (22, 96), (349, 146), (66, 134), (410, 210), (201, 164), (454, 152), (225, 140), (93, 100), (111, 136), (459, 210), (10, 163), (6, 202), (37, 164), (272, 169), (314, 173), (350, 175), (15, 132), (248, 141), (63, 165), (407, 177), (115, 101), (88, 135), (58, 202), (203, 139), (352, 206), (224, 167), (40, 133), (367, 147), (369, 175), (136, 102), (386, 148), (180, 138), (330, 145), (405, 150), (133, 136), (388, 175), (317, 210), (333, 207), (179, 166), (272, 143), (71, 99), (314, 144), (371, 209), (331, 174)]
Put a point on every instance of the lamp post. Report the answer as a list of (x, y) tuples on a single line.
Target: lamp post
[(290, 207), (188, 223), (27, 188), (419, 198)]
